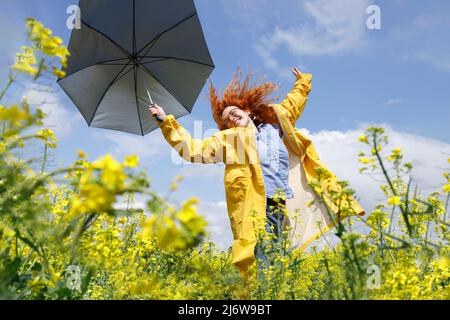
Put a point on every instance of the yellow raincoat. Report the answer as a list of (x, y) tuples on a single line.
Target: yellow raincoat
[(244, 186)]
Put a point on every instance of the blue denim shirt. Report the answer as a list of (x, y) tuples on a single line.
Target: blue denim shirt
[(274, 159)]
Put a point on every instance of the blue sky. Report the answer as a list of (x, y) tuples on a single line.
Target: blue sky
[(397, 76)]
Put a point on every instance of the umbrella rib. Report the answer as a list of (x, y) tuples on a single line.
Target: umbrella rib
[(180, 59), (106, 91), (134, 66), (112, 60), (107, 37), (159, 81), (118, 79), (137, 102), (134, 27), (167, 30), (149, 48), (92, 65), (158, 60), (112, 64)]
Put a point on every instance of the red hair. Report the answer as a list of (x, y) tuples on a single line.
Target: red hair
[(248, 97)]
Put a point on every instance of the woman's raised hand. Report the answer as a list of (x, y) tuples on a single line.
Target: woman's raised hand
[(296, 72), (157, 112)]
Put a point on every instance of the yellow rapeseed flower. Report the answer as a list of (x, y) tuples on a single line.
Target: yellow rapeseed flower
[(394, 200), (26, 61), (112, 174), (446, 188), (131, 161), (81, 154), (363, 139), (364, 160), (14, 114), (48, 136), (189, 217), (59, 73)]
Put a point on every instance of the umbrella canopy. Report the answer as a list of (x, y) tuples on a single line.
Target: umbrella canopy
[(126, 49)]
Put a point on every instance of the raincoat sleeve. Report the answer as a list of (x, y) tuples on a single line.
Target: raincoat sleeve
[(295, 102), (208, 150)]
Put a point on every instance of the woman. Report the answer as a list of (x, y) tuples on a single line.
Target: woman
[(264, 154)]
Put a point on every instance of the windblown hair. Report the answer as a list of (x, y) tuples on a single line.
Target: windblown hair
[(247, 96)]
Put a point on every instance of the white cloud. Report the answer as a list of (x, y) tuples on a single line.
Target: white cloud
[(270, 62), (150, 147), (123, 205), (254, 15), (304, 27), (437, 60), (329, 28), (339, 150), (338, 26), (218, 222), (210, 171), (391, 102), (420, 40), (432, 20), (59, 119)]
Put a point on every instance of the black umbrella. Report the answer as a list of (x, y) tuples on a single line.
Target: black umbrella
[(130, 51)]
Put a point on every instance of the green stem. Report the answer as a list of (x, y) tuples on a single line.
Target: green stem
[(446, 207), (391, 186), (16, 245), (41, 66), (405, 243), (10, 82), (44, 161), (391, 219), (81, 230), (383, 168), (428, 223), (381, 240), (41, 180), (405, 211)]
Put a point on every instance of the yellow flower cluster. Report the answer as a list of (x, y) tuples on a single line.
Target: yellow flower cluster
[(446, 187), (15, 115), (396, 155), (363, 139), (395, 200), (42, 37), (177, 230), (365, 160), (99, 185), (48, 136), (408, 281), (131, 161), (27, 61)]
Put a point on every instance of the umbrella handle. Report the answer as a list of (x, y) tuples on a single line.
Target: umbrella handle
[(149, 96), (156, 117)]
